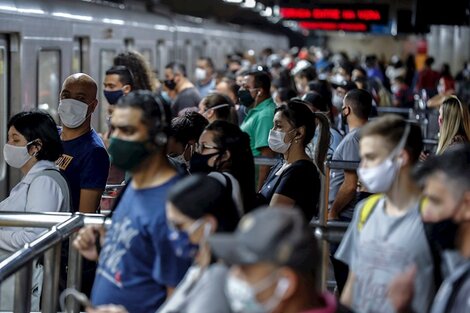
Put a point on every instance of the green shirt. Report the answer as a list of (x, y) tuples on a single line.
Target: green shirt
[(257, 124)]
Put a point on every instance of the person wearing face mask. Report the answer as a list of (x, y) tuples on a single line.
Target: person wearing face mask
[(294, 181), (255, 94), (340, 91), (217, 106), (184, 134), (224, 152), (274, 259), (204, 76), (137, 266), (387, 234), (187, 97), (33, 146), (85, 161), (446, 183), (118, 82), (192, 217)]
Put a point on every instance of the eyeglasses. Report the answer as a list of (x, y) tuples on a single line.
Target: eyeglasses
[(201, 147)]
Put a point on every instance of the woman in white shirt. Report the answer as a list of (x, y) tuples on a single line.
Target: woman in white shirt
[(33, 146)]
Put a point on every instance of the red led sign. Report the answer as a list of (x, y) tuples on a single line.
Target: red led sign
[(352, 27), (356, 13)]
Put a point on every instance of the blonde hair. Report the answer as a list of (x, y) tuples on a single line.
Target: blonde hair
[(455, 121)]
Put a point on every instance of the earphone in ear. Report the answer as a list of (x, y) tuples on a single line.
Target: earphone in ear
[(161, 137), (282, 286)]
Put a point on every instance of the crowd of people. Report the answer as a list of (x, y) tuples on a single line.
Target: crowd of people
[(201, 226)]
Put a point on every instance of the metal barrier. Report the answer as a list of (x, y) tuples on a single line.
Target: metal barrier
[(324, 230), (63, 226), (260, 160)]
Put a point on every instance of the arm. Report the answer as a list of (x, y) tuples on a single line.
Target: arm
[(264, 169), (12, 239), (281, 200), (346, 193), (346, 296), (90, 200)]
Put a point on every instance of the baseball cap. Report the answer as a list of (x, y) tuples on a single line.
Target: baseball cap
[(276, 235), (345, 84)]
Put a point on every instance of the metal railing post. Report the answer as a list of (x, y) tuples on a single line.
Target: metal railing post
[(51, 279), (23, 282), (74, 276), (323, 218)]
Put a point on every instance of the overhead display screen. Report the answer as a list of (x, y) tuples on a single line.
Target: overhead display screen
[(341, 16)]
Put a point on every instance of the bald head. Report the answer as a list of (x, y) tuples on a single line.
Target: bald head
[(80, 83), (83, 88)]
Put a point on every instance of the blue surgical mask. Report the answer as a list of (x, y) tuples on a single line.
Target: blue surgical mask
[(182, 245), (113, 96)]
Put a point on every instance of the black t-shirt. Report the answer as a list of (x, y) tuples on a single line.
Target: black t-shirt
[(300, 181)]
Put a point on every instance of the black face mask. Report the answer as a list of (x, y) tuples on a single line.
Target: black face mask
[(443, 234), (199, 163), (245, 97), (170, 84)]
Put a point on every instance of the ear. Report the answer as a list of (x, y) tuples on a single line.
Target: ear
[(35, 147), (289, 281), (226, 156), (300, 133), (210, 113), (405, 157), (126, 89), (463, 214), (93, 105), (212, 221)]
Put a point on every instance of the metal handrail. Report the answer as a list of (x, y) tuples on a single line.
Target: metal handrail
[(47, 220), (63, 226), (261, 160)]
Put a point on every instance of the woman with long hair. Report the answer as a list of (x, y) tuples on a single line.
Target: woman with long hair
[(224, 148), (217, 106), (295, 180), (454, 124)]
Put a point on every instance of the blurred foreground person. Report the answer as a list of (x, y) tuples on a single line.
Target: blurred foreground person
[(137, 266), (274, 259), (387, 235), (33, 146), (446, 180)]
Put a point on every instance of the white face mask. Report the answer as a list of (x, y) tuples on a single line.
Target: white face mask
[(72, 112), (337, 101), (276, 141), (242, 296), (16, 156), (200, 74), (379, 179)]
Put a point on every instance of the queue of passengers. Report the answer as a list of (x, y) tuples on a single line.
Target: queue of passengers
[(198, 227)]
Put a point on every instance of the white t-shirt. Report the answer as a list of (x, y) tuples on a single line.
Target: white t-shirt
[(386, 246)]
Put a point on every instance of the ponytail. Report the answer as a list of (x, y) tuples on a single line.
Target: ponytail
[(323, 142)]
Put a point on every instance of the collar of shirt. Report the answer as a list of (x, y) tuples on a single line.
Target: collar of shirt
[(262, 105), (330, 304), (39, 166)]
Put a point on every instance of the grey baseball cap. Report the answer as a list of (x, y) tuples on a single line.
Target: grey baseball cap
[(276, 235)]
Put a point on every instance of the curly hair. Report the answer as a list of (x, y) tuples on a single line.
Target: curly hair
[(140, 68)]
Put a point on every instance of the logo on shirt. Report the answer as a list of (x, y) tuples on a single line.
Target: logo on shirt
[(64, 161), (116, 246)]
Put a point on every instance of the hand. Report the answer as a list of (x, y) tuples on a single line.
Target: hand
[(85, 241), (423, 156), (110, 308), (332, 215), (401, 290)]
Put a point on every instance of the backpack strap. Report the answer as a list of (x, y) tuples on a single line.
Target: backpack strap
[(59, 178), (367, 209)]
